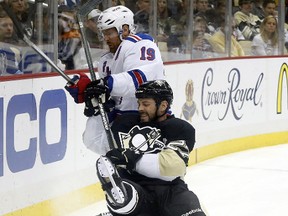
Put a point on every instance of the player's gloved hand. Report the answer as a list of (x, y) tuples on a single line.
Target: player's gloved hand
[(94, 90), (76, 90), (124, 156), (92, 108), (98, 89)]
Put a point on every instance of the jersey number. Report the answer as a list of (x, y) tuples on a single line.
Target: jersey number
[(148, 54)]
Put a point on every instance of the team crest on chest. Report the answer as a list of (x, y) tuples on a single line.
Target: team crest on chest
[(144, 139)]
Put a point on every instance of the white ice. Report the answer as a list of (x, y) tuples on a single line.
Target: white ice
[(247, 183)]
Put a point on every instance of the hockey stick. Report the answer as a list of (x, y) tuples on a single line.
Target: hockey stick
[(22, 34), (82, 12)]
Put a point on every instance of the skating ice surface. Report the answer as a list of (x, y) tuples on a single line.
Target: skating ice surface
[(248, 183)]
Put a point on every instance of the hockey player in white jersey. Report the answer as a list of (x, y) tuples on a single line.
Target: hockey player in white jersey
[(136, 60), (132, 59)]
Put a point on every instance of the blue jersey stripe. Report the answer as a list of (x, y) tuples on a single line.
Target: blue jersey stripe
[(138, 37), (109, 82)]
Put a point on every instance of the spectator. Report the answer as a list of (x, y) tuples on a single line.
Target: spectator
[(178, 24), (169, 30), (69, 37), (247, 22), (21, 9), (200, 24), (217, 40), (258, 9), (9, 54), (94, 39), (181, 9), (211, 17), (91, 30), (220, 7), (6, 28), (141, 17), (164, 15), (266, 43), (269, 8), (201, 46), (201, 7)]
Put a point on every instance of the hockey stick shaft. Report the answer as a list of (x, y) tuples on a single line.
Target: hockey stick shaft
[(88, 6), (22, 35), (86, 47), (83, 11)]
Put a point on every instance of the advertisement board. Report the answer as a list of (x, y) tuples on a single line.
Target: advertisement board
[(233, 104)]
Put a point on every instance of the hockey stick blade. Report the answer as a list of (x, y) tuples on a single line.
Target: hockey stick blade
[(88, 6), (23, 35)]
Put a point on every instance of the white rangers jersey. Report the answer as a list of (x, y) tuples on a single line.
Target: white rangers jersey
[(136, 60)]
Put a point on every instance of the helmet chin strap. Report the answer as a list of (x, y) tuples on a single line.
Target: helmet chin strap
[(120, 33), (157, 108), (157, 117)]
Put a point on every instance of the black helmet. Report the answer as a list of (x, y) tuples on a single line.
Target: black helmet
[(158, 89)]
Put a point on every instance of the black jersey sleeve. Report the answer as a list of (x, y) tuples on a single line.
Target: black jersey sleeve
[(179, 136)]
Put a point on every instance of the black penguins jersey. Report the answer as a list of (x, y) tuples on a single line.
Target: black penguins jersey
[(153, 137)]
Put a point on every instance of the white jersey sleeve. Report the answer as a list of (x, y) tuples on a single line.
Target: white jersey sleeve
[(165, 165), (94, 136)]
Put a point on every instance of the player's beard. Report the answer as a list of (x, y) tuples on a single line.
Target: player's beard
[(146, 117), (113, 46)]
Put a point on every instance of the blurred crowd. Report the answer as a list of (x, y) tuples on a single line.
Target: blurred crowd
[(199, 33)]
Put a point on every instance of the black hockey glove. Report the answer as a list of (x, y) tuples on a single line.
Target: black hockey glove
[(94, 90), (97, 89), (93, 109), (124, 156)]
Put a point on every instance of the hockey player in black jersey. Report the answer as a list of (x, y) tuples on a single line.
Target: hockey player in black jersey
[(144, 176)]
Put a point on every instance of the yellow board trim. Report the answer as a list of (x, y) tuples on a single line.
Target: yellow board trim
[(64, 204), (83, 197), (236, 145)]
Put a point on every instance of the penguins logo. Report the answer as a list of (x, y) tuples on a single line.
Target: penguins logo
[(145, 139)]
